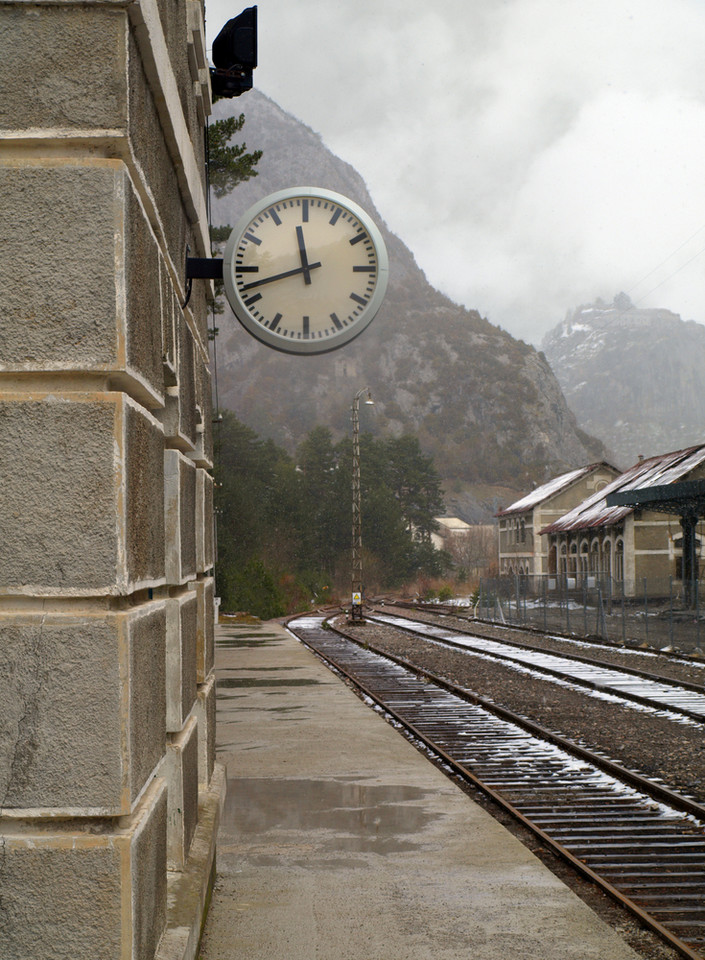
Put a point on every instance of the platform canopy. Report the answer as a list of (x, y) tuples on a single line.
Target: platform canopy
[(686, 499)]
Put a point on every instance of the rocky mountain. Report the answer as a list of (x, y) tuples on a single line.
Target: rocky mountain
[(486, 406), (634, 378)]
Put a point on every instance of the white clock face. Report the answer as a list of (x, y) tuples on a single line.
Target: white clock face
[(305, 270)]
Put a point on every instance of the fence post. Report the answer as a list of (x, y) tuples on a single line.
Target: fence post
[(545, 598), (670, 618), (646, 612), (697, 613), (624, 623), (601, 614), (610, 608)]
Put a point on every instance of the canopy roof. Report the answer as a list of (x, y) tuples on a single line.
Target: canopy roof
[(687, 498)]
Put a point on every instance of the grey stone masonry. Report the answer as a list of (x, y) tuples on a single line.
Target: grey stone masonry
[(109, 792)]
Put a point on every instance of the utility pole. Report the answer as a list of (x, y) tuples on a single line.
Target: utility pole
[(356, 606)]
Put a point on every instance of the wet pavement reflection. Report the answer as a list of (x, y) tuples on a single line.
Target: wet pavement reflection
[(229, 682), (351, 817)]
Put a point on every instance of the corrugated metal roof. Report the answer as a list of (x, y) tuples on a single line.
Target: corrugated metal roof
[(594, 512), (549, 489)]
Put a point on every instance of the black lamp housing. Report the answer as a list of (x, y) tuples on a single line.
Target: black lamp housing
[(234, 56)]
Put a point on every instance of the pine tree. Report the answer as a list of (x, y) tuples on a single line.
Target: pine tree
[(229, 165)]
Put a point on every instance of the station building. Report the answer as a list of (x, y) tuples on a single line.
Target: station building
[(522, 550), (629, 549)]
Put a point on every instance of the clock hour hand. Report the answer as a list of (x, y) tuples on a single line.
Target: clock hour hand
[(280, 276), (302, 253)]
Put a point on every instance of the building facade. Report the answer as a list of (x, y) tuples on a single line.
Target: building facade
[(629, 551), (522, 550), (110, 795)]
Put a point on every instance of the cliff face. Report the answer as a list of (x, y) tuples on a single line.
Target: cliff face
[(634, 378), (486, 406)]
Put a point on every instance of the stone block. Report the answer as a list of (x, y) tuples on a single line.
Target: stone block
[(188, 355), (143, 323), (71, 890), (181, 771), (180, 658), (81, 495), (182, 418), (170, 308), (205, 630), (205, 714), (69, 73), (89, 301), (203, 453), (179, 517), (82, 715), (204, 521), (153, 158)]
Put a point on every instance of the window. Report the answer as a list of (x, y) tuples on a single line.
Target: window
[(619, 560)]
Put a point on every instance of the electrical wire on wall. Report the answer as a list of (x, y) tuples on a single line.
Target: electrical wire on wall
[(217, 417)]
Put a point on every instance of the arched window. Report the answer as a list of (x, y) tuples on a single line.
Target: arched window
[(595, 557), (607, 558), (618, 565), (583, 559)]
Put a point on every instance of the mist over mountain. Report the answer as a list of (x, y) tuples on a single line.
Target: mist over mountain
[(487, 407), (634, 378)]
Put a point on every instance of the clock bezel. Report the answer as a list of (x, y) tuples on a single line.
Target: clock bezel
[(313, 345)]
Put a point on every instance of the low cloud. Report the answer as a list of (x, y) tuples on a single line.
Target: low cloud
[(533, 154)]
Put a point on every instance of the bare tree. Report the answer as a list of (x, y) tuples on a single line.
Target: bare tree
[(473, 550)]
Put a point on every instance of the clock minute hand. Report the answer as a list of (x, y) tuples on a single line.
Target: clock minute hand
[(281, 276)]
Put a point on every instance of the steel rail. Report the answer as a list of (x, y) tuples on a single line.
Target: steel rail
[(416, 685), (606, 664), (474, 645), (452, 610)]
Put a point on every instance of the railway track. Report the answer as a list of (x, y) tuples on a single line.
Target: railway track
[(639, 686), (641, 842)]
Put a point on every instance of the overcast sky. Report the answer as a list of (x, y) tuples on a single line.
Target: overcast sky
[(533, 154)]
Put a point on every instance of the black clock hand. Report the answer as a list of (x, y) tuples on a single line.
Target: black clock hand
[(302, 253), (280, 276)]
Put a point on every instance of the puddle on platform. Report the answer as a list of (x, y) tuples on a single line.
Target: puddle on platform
[(246, 643), (227, 682), (256, 669), (358, 818)]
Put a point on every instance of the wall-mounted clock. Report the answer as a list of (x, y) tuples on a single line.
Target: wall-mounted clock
[(305, 270)]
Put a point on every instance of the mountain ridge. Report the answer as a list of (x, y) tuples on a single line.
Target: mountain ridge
[(632, 376)]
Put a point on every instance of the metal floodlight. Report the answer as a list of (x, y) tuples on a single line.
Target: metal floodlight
[(234, 56)]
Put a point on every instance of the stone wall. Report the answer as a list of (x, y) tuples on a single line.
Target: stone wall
[(109, 791)]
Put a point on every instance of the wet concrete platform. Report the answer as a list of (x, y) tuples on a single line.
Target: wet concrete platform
[(340, 840)]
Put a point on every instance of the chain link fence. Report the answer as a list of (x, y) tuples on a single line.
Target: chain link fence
[(661, 614)]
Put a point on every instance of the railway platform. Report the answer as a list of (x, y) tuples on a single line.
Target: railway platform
[(340, 840)]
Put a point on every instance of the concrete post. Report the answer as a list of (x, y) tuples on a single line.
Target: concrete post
[(109, 791)]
